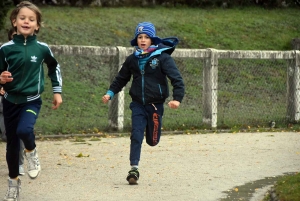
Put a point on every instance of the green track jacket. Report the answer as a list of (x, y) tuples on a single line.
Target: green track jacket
[(24, 59)]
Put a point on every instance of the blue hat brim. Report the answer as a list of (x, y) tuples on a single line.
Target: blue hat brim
[(155, 40)]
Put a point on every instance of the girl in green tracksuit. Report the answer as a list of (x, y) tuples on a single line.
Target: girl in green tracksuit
[(22, 77)]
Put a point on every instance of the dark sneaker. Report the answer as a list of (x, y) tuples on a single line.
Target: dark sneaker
[(133, 176), (13, 191)]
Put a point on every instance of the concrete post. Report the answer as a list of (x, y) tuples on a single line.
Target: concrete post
[(293, 89), (116, 105), (210, 89)]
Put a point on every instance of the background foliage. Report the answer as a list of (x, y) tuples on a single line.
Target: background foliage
[(4, 7)]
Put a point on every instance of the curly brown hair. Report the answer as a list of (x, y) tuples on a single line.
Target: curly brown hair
[(10, 33)]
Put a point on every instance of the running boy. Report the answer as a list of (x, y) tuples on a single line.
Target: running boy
[(150, 65), (22, 76)]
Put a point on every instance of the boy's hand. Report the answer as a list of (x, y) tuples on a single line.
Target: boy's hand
[(105, 98), (174, 104), (2, 92), (5, 77), (57, 100)]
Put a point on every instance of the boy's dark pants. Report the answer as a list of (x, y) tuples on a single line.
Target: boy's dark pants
[(143, 117), (19, 120)]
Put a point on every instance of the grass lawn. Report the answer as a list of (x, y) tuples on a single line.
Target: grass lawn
[(86, 77), (287, 188), (245, 29), (233, 29)]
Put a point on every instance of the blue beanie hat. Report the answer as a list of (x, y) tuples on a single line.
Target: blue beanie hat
[(145, 28)]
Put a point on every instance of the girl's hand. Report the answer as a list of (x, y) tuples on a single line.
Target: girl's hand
[(5, 77), (174, 104), (105, 98), (57, 100)]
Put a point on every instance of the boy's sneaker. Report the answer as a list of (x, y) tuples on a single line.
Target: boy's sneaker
[(133, 176), (33, 167), (13, 191), (21, 170)]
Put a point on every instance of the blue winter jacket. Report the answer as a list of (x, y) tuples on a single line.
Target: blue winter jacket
[(150, 85)]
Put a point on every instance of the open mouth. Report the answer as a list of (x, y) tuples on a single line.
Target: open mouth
[(25, 27)]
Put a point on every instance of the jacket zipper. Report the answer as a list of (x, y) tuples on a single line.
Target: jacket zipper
[(142, 73), (160, 91), (143, 78), (25, 42)]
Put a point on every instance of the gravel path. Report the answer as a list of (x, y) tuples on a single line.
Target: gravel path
[(181, 167)]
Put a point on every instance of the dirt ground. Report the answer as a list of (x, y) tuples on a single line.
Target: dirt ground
[(201, 167)]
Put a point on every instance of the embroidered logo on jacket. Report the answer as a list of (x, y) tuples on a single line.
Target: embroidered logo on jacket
[(33, 58), (154, 63)]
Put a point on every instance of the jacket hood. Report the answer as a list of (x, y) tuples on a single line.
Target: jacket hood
[(168, 45)]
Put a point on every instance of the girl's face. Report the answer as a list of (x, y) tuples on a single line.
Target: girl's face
[(143, 41), (26, 22)]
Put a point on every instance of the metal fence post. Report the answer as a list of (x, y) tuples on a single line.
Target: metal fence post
[(210, 89), (116, 105)]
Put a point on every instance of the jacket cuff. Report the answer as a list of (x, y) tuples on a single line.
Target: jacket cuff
[(110, 93), (57, 89)]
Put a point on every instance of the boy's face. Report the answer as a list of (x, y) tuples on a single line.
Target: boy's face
[(26, 22), (143, 41)]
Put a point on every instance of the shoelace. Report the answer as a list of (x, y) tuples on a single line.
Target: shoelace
[(134, 171), (12, 192), (32, 163)]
